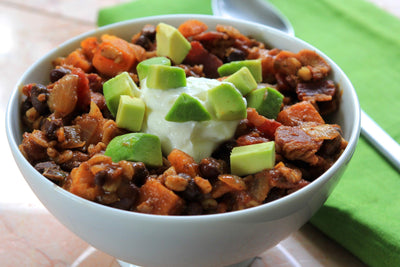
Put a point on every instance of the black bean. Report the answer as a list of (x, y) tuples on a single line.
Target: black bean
[(109, 198), (39, 96), (95, 82), (223, 152), (128, 194), (193, 208), (27, 104), (55, 174), (140, 173), (149, 31), (107, 113), (58, 73), (100, 177), (42, 166), (144, 42), (210, 168), (69, 165), (50, 125), (274, 194), (128, 189), (235, 55), (192, 192), (243, 128), (123, 204)]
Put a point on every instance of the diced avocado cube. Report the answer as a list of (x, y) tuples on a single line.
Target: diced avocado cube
[(252, 158), (139, 147), (122, 84), (130, 113), (171, 43), (187, 108), (267, 101), (227, 102), (143, 67), (254, 65), (243, 80), (165, 77)]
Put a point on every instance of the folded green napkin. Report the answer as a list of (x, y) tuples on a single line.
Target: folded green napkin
[(144, 8), (363, 212)]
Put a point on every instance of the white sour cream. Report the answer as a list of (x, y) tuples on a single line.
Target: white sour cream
[(198, 139)]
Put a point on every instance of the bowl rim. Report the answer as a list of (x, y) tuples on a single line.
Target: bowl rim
[(263, 208)]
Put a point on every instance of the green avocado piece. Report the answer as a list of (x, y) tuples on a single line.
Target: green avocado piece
[(130, 113), (267, 101), (122, 84), (227, 102), (243, 80), (141, 147), (253, 158), (143, 67), (187, 108), (171, 43), (254, 65), (165, 77)]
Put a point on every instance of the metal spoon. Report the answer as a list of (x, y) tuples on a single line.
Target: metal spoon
[(254, 10), (263, 12)]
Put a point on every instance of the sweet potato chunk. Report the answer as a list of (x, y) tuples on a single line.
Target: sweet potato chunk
[(183, 162), (114, 55), (154, 198), (89, 46), (192, 27), (78, 59), (300, 113), (82, 182)]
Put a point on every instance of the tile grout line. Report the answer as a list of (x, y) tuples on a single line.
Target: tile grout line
[(39, 11)]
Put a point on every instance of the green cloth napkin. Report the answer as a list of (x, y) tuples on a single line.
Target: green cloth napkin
[(363, 212), (144, 8)]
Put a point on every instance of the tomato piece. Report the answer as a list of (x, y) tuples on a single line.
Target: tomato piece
[(83, 89), (266, 126)]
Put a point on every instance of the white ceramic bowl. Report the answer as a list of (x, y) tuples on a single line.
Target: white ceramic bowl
[(208, 240)]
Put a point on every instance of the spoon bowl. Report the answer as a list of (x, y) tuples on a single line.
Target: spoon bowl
[(261, 12)]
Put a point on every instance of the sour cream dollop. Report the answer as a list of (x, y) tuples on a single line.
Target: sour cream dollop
[(198, 139)]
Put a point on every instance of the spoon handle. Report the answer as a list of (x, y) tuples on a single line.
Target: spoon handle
[(380, 140)]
